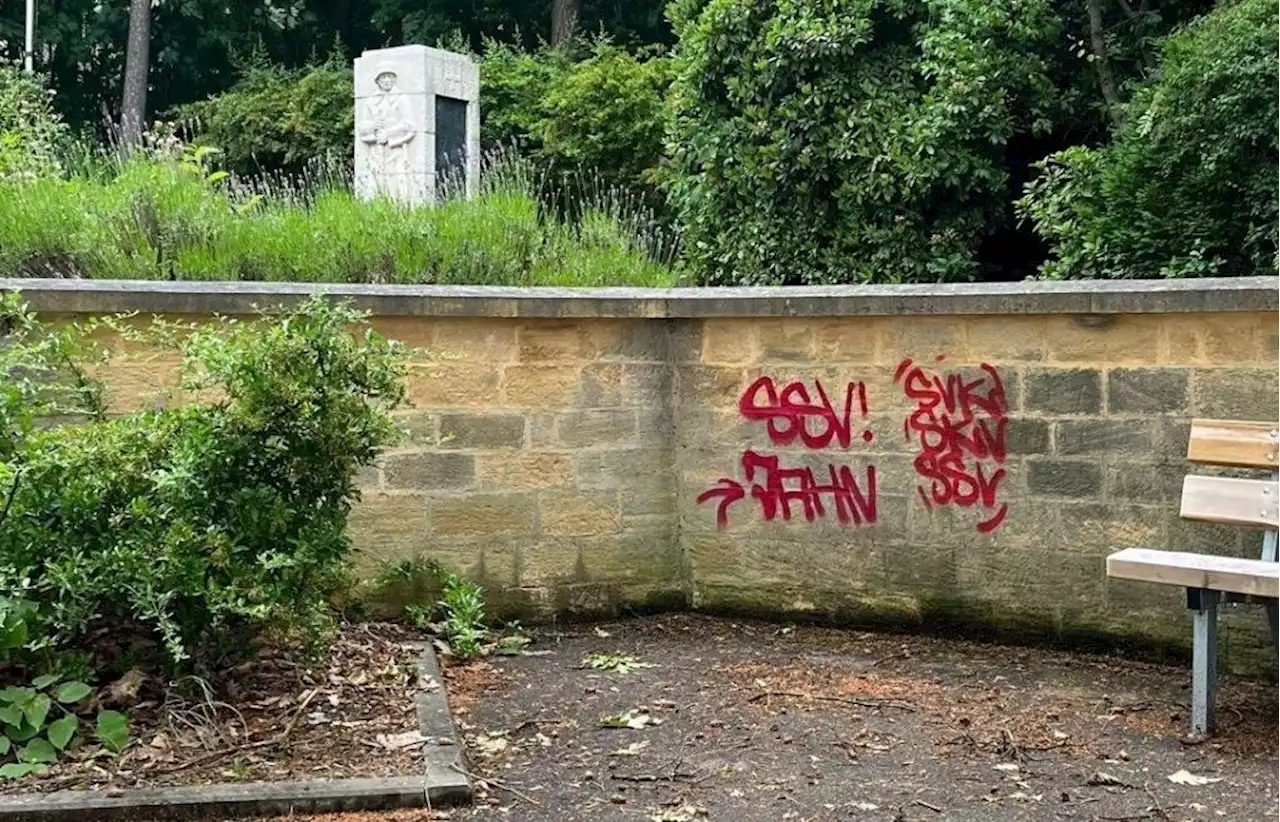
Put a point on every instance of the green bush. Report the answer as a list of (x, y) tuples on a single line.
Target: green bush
[(276, 118), (513, 83), (207, 524), (166, 215), (835, 142), (602, 115), (33, 136), (1187, 188)]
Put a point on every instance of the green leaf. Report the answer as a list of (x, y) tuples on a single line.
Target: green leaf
[(37, 710), (17, 770), (5, 745), (61, 732), (71, 692), (38, 750), (21, 732), (11, 715), (113, 730), (42, 682), (14, 635), (16, 696)]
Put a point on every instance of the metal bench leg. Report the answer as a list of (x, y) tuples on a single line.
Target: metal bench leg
[(1204, 665)]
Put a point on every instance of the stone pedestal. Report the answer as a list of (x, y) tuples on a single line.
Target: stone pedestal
[(417, 124)]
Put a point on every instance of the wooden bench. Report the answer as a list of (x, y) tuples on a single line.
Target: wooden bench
[(1211, 579)]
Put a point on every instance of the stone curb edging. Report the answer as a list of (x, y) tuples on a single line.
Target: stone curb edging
[(1025, 297), (444, 783)]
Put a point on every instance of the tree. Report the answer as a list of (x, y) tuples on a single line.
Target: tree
[(564, 20), (836, 142), (1187, 187), (133, 106)]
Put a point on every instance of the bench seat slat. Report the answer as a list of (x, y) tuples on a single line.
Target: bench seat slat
[(1241, 576), (1233, 442), (1231, 501)]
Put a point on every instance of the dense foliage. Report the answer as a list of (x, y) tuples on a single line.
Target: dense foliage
[(601, 115), (834, 142), (1188, 187), (881, 140), (201, 525), (275, 118)]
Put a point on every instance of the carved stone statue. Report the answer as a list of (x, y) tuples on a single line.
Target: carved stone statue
[(386, 129), (417, 122)]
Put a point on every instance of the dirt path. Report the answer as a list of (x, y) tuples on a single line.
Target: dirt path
[(759, 723)]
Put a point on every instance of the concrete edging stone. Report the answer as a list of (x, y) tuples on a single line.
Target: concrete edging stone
[(444, 783)]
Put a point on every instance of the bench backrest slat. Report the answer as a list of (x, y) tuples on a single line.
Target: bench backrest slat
[(1231, 501), (1233, 442)]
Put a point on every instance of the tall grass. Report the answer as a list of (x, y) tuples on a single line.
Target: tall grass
[(165, 213)]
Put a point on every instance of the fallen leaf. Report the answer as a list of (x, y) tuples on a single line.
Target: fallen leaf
[(1185, 777), (633, 749), (492, 745), (866, 806), (1007, 767), (615, 663), (123, 693), (1104, 778), (1059, 735), (395, 742), (633, 719), (1023, 797), (682, 813), (602, 633)]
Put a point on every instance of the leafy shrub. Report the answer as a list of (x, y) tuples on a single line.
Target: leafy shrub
[(836, 142), (32, 134), (513, 83), (275, 118), (1188, 186), (209, 523), (602, 114)]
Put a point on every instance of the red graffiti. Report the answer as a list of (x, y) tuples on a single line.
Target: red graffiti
[(788, 411), (960, 427), (775, 489)]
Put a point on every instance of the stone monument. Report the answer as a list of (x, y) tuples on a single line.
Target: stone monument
[(417, 123)]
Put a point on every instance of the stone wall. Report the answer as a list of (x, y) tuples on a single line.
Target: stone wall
[(948, 456)]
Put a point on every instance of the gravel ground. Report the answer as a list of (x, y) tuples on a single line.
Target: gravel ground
[(760, 723)]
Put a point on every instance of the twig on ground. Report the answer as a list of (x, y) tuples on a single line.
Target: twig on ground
[(279, 739), (1155, 804), (298, 713), (641, 777), (497, 783), (862, 703), (924, 804)]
